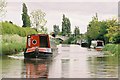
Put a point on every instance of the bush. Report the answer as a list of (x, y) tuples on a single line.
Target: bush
[(116, 38), (10, 48), (113, 48), (69, 41), (12, 44), (9, 28)]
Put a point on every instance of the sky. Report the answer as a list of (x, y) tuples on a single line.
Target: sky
[(79, 12)]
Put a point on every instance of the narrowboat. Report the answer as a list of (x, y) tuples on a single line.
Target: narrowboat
[(39, 46), (97, 44)]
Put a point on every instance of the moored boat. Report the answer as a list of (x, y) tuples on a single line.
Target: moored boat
[(97, 44)]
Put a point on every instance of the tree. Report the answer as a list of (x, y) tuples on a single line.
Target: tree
[(96, 30), (93, 28), (102, 31), (76, 34), (66, 26), (2, 7), (25, 17), (38, 20), (76, 31), (44, 29), (113, 34), (56, 29)]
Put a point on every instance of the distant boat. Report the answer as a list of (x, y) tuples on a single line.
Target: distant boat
[(39, 46), (84, 43), (97, 44)]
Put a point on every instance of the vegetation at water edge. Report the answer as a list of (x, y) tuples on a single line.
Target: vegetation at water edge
[(112, 48), (12, 44)]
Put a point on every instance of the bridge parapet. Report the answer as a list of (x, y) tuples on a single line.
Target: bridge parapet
[(62, 37)]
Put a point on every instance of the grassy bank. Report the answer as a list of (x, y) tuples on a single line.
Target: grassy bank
[(112, 48), (9, 28), (12, 44), (13, 37)]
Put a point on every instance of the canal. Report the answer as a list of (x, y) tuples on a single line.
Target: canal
[(71, 61)]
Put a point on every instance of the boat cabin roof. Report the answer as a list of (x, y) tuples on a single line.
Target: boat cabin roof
[(38, 35)]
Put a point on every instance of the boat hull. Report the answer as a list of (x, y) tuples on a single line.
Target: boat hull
[(99, 48), (38, 55)]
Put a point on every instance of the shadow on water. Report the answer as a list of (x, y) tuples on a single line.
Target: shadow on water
[(36, 68), (103, 66)]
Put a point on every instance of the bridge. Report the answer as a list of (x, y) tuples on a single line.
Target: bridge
[(61, 37)]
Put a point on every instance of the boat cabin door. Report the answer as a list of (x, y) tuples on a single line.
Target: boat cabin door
[(44, 41)]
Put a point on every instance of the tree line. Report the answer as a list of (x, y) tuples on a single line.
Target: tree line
[(38, 21), (66, 28), (66, 31), (106, 30)]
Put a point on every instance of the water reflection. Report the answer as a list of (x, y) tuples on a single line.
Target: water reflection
[(36, 68), (103, 67), (65, 68)]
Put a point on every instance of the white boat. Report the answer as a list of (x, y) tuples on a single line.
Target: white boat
[(97, 44)]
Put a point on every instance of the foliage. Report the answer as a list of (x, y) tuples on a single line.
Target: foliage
[(70, 40), (76, 31), (66, 26), (8, 28), (116, 38), (2, 7), (113, 48), (73, 38), (43, 30), (56, 29), (113, 30), (38, 20), (113, 34), (76, 34), (25, 17), (12, 44), (103, 30), (93, 28)]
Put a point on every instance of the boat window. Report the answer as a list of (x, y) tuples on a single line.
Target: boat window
[(44, 41), (99, 44), (28, 41)]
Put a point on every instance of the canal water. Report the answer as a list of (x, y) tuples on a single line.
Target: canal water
[(71, 61)]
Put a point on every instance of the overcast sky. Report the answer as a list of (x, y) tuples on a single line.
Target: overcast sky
[(79, 12)]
